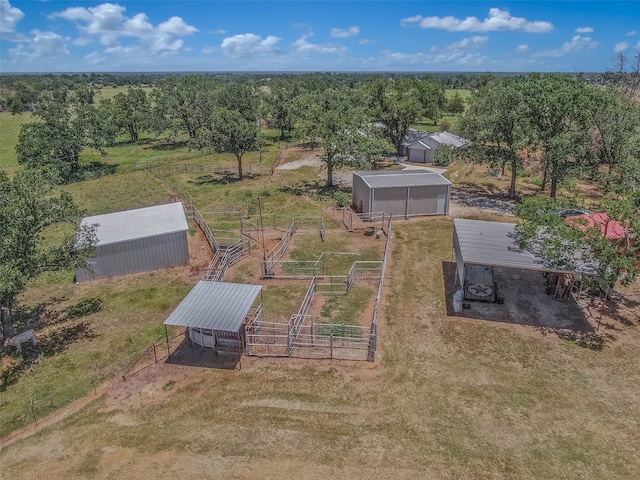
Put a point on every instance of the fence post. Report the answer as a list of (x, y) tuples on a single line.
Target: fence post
[(33, 411), (155, 355), (331, 344)]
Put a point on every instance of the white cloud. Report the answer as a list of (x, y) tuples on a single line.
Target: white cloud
[(366, 41), (576, 44), (218, 31), (345, 32), (631, 33), (303, 46), (43, 45), (522, 48), (498, 20), (10, 17), (467, 43), (451, 58), (94, 58), (584, 30), (247, 44), (209, 49), (620, 47), (109, 23)]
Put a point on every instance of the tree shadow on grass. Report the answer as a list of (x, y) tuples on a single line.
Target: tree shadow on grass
[(168, 145), (315, 190), (223, 179)]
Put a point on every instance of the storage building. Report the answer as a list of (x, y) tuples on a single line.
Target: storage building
[(136, 241), (406, 193), (423, 150)]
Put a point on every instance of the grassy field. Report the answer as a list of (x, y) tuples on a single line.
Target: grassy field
[(448, 397), (9, 131)]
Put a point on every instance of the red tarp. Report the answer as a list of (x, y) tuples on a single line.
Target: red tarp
[(612, 229)]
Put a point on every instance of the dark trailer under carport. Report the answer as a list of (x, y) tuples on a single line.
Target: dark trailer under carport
[(401, 193)]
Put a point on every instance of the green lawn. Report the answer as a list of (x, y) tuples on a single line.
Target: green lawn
[(9, 131)]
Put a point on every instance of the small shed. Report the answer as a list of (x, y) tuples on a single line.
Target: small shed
[(406, 193), (139, 240), (215, 314), (423, 150)]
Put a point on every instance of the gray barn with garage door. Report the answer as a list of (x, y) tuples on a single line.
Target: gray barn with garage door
[(136, 241), (401, 193)]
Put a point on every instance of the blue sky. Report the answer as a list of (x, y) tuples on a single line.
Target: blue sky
[(41, 36)]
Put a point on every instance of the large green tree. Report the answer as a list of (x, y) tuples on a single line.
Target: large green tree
[(29, 209), (556, 110), (496, 125), (231, 133), (336, 118), (66, 124), (131, 112), (396, 105), (576, 244)]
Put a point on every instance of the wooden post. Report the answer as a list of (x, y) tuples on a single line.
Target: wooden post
[(155, 355), (331, 344), (166, 334), (33, 412)]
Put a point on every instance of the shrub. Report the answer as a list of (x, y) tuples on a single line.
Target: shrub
[(342, 199)]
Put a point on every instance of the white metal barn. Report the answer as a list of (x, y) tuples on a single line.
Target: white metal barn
[(405, 193), (423, 150), (136, 241), (215, 314)]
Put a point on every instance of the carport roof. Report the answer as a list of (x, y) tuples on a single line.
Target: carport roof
[(495, 244), (215, 306), (402, 178)]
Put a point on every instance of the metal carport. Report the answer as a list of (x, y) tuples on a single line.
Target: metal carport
[(495, 244), (215, 313)]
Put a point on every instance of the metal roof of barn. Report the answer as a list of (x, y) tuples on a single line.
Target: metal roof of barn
[(495, 244), (401, 178), (128, 225), (448, 138), (215, 306)]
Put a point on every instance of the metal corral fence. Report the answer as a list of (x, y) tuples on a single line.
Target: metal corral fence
[(373, 338), (303, 338), (359, 221), (158, 350)]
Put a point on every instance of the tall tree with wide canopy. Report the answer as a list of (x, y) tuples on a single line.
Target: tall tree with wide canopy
[(131, 111), (28, 210), (66, 125), (496, 125), (396, 105), (232, 133), (336, 118), (278, 104), (556, 110)]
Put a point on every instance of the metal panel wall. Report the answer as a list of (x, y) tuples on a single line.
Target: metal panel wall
[(392, 201), (142, 255), (361, 193)]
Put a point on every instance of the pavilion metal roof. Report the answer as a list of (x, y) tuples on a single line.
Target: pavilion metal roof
[(139, 223), (402, 178), (215, 306), (495, 244)]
